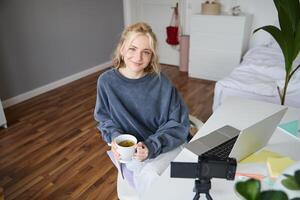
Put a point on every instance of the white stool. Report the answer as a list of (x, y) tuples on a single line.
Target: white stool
[(125, 191)]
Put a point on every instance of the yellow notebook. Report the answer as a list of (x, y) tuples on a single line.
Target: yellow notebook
[(261, 157), (277, 165)]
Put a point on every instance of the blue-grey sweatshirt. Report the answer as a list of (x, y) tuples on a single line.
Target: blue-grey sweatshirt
[(149, 108)]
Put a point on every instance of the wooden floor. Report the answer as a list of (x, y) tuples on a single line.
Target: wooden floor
[(52, 149)]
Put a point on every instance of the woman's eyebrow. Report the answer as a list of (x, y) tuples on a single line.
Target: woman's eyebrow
[(137, 47), (132, 46)]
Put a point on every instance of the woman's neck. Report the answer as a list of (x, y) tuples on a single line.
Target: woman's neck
[(131, 74)]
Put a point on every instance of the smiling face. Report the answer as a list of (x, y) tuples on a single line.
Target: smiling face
[(136, 50), (137, 55)]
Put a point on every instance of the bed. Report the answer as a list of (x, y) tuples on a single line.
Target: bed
[(257, 77)]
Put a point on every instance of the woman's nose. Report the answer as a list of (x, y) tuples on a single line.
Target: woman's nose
[(139, 56)]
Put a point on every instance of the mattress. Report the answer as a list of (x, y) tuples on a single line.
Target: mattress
[(222, 92), (258, 77)]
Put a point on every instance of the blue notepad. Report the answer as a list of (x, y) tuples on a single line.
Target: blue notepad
[(291, 127)]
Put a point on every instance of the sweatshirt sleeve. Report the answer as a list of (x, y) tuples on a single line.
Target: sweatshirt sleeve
[(101, 114), (174, 131)]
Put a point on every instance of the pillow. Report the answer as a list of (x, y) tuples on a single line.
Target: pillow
[(273, 43)]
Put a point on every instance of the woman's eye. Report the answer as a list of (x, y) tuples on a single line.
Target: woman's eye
[(131, 49), (147, 52)]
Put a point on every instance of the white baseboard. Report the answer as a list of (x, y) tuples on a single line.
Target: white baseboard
[(27, 95)]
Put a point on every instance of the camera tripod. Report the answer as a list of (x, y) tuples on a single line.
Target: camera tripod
[(202, 185)]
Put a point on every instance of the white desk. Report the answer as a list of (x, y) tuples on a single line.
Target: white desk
[(239, 113)]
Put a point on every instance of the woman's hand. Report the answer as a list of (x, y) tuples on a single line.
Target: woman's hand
[(114, 151), (141, 152)]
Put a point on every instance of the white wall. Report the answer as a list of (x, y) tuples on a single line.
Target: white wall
[(129, 11), (263, 11), (157, 13)]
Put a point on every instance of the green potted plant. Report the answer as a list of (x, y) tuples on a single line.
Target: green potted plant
[(287, 37), (251, 189)]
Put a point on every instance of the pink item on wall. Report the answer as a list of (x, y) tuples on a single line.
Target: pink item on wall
[(184, 53)]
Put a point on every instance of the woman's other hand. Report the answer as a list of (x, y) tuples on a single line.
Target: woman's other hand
[(141, 152)]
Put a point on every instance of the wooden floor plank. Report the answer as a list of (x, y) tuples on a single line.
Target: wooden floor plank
[(53, 150)]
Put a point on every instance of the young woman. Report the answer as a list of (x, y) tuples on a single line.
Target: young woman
[(136, 98)]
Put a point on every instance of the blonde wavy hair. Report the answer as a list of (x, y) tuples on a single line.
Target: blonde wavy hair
[(128, 35)]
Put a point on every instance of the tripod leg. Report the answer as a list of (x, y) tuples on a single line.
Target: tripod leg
[(197, 196), (208, 197)]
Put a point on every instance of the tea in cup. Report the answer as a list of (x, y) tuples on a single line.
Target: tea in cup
[(126, 145)]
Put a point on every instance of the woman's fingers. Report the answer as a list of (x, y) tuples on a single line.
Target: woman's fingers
[(115, 152), (141, 151)]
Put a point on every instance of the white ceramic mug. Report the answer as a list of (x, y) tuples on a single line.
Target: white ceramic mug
[(126, 152)]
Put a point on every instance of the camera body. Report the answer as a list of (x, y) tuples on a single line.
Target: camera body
[(207, 167)]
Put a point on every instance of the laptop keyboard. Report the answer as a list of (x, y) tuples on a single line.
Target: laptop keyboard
[(223, 150)]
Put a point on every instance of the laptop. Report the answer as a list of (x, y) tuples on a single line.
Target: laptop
[(228, 141)]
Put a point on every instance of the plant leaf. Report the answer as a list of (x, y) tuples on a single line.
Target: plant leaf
[(285, 22), (292, 10), (273, 194), (277, 35), (297, 177), (287, 175), (293, 72), (297, 41), (290, 183), (285, 45), (249, 189)]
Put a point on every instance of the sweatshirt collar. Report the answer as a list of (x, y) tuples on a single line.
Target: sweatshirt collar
[(142, 79)]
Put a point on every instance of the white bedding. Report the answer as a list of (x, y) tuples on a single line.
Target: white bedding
[(258, 76)]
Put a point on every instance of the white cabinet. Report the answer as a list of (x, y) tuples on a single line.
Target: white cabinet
[(216, 44), (2, 116)]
